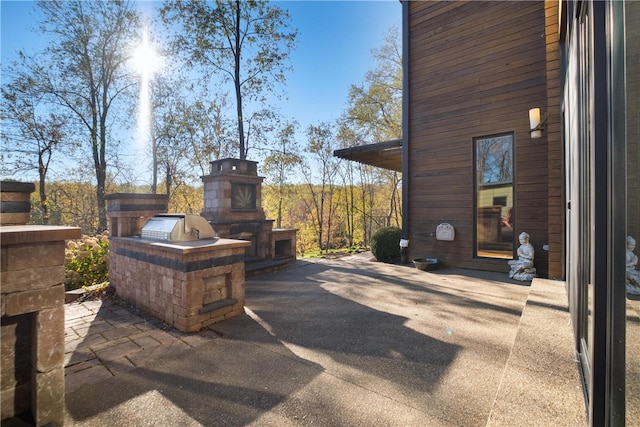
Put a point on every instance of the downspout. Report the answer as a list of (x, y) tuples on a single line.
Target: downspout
[(405, 121)]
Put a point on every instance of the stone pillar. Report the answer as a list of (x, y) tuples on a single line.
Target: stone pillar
[(32, 323), (128, 212), (15, 202)]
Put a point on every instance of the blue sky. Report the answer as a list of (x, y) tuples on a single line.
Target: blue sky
[(333, 49)]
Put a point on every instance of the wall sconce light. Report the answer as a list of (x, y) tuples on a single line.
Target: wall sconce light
[(536, 123)]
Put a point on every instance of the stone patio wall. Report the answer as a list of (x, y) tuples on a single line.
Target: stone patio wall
[(32, 327)]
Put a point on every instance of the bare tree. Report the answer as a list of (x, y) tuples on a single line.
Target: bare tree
[(32, 132), (321, 185), (245, 42)]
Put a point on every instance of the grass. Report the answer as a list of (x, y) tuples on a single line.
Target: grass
[(333, 253)]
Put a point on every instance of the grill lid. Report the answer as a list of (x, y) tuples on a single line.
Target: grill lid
[(177, 228)]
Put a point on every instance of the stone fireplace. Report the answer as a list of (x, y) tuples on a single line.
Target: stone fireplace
[(233, 206)]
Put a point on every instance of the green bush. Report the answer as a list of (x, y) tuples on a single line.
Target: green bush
[(86, 261), (385, 243)]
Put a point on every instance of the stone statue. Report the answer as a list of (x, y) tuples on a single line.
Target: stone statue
[(633, 275), (522, 268)]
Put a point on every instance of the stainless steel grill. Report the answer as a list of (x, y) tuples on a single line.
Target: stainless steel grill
[(177, 228)]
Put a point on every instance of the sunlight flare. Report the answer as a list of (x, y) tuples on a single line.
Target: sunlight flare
[(146, 62)]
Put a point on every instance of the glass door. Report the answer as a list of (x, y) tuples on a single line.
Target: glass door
[(629, 13), (577, 113)]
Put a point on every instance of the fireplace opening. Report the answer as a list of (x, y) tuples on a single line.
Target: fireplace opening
[(283, 248)]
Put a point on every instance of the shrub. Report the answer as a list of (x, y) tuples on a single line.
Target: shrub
[(385, 243), (86, 261)]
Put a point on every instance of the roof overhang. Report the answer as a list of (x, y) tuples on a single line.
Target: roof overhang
[(386, 155)]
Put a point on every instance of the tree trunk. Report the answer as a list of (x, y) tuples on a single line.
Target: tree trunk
[(101, 177), (168, 180), (392, 199), (352, 214), (279, 219), (44, 205), (154, 148), (101, 168), (243, 153)]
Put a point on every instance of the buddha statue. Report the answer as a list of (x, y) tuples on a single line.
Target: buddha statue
[(522, 268), (633, 275)]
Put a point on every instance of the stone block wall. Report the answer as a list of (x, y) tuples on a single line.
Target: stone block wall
[(15, 202), (188, 285), (220, 202), (219, 198), (256, 232), (283, 242), (128, 212), (32, 323)]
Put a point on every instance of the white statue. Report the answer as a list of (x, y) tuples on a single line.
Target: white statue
[(522, 268), (633, 275)]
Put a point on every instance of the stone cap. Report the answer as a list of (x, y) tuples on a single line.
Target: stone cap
[(136, 196), (20, 234), (234, 166), (189, 247), (17, 187), (135, 204), (15, 203)]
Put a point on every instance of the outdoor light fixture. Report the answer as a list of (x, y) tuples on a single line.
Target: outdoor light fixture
[(536, 123)]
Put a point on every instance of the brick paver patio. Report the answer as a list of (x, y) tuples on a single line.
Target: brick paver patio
[(104, 338)]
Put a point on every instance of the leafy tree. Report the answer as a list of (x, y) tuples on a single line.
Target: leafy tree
[(245, 42), (87, 71), (374, 115), (186, 199), (280, 164), (346, 136), (196, 132), (321, 185), (32, 132), (376, 106)]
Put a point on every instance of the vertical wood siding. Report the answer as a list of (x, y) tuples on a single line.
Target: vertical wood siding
[(555, 157), (475, 69)]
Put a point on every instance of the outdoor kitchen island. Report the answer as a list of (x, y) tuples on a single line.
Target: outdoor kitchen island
[(187, 284), (173, 266)]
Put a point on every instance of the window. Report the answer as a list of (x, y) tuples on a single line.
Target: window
[(494, 196)]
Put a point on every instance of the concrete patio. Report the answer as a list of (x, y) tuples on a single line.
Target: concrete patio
[(344, 342)]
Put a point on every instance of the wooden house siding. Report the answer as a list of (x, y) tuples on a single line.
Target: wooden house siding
[(475, 69), (555, 157)]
